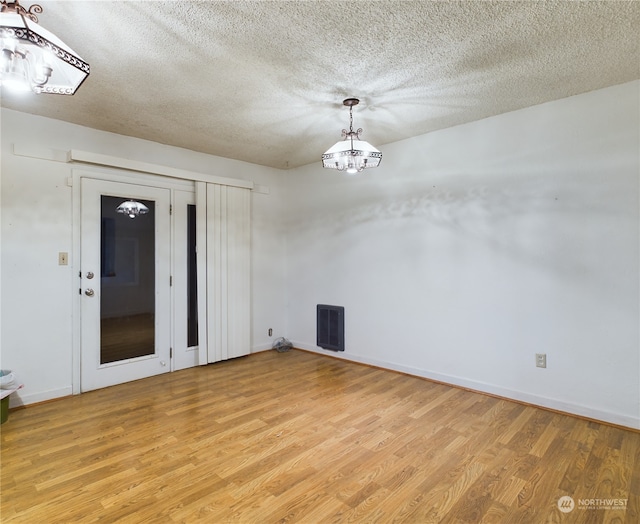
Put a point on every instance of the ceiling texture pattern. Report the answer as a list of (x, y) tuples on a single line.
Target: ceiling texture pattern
[(263, 81)]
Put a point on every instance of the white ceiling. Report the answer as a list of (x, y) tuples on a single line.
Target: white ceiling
[(263, 81)]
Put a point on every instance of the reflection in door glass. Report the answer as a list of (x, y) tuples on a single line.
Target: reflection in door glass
[(127, 294)]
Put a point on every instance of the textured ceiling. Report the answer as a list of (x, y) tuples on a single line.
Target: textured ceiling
[(263, 81)]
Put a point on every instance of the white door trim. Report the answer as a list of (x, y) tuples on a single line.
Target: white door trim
[(75, 156)]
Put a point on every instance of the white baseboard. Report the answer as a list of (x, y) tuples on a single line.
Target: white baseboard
[(260, 347), (537, 400), (19, 398)]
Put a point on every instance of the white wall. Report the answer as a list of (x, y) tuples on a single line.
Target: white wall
[(37, 294), (468, 251), (473, 248)]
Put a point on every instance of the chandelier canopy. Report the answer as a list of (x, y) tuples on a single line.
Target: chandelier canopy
[(351, 154), (32, 57)]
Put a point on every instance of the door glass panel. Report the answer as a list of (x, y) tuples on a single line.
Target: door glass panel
[(127, 277), (192, 294)]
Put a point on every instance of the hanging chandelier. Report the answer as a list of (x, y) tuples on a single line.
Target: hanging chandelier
[(351, 154), (32, 57), (132, 209)]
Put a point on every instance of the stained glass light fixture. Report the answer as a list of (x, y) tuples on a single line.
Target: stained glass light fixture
[(351, 154), (32, 57), (132, 209)]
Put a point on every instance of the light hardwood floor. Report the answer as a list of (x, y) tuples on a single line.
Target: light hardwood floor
[(299, 437)]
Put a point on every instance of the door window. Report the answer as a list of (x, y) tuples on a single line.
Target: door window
[(127, 298)]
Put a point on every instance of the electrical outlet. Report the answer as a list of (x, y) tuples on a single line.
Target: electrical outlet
[(270, 332), (63, 259), (541, 360)]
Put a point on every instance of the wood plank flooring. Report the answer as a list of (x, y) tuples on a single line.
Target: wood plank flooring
[(299, 437)]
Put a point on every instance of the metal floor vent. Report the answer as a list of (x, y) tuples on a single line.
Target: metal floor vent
[(330, 327)]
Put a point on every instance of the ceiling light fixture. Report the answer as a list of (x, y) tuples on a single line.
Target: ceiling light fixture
[(351, 154), (132, 209), (32, 57)]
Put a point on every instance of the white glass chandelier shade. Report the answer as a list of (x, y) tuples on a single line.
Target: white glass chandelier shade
[(132, 209), (351, 154), (33, 58)]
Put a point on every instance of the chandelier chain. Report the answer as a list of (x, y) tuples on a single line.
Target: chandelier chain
[(350, 119)]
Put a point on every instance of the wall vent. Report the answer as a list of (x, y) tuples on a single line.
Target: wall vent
[(330, 327)]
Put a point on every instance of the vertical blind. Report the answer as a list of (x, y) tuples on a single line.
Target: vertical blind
[(224, 254)]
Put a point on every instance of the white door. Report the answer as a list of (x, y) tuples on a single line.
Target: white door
[(125, 284), (185, 305)]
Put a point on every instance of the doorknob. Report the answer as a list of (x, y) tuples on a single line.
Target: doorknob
[(89, 292)]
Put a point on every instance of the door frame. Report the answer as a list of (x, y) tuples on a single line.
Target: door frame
[(109, 175), (183, 356)]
